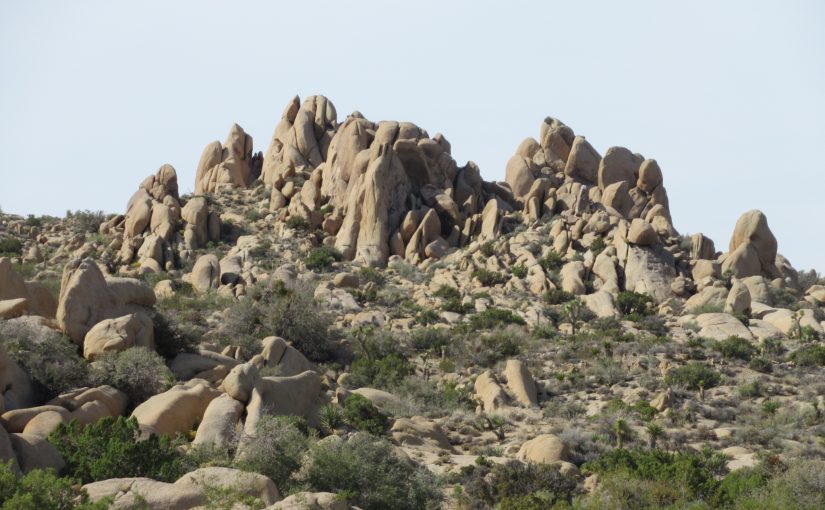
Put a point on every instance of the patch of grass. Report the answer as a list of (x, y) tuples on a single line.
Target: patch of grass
[(321, 259)]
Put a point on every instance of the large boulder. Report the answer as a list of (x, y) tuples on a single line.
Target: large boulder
[(282, 396), (176, 410), (119, 334), (489, 392), (311, 501), (86, 298), (619, 165), (521, 383), (752, 248), (544, 449), (421, 432), (278, 353), (231, 164), (145, 493), (206, 273), (243, 482), (219, 426)]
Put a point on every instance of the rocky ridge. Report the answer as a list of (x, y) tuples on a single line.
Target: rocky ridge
[(383, 233)]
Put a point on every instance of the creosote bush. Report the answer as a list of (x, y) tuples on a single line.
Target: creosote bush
[(289, 313), (371, 475), (138, 372), (361, 414), (693, 376), (276, 450), (321, 258), (52, 361), (634, 304)]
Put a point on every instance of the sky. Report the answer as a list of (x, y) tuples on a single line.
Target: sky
[(728, 97)]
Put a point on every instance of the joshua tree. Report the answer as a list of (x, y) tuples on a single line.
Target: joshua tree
[(622, 431), (654, 433)]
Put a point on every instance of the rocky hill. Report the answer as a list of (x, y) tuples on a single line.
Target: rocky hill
[(350, 319)]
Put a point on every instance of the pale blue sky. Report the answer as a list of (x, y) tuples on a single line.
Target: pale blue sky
[(729, 97)]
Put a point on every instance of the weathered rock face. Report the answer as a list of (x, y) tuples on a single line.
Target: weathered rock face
[(86, 298), (376, 181), (19, 297), (231, 164), (157, 225), (544, 449), (752, 249), (119, 334), (176, 410)]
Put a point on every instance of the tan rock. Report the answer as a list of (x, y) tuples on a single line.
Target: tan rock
[(119, 334), (220, 423), (176, 410), (145, 493), (250, 484), (205, 273), (544, 449), (282, 396), (420, 431), (489, 392), (521, 383), (311, 501), (642, 233)]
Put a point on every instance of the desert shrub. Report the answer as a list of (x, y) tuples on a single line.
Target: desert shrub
[(371, 275), (514, 486), (373, 476), (761, 364), (519, 270), (138, 372), (783, 298), (752, 389), (85, 221), (489, 278), (321, 258), (598, 245), (557, 297), (361, 414), (429, 339), (682, 477), (111, 448), (43, 490), (51, 359), (493, 317), (170, 337), (293, 314), (297, 223), (801, 486), (383, 372), (276, 450), (652, 324), (809, 356), (634, 303), (10, 245), (487, 249), (735, 347), (552, 261), (693, 376), (330, 417)]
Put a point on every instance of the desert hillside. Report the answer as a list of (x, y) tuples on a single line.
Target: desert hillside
[(345, 316)]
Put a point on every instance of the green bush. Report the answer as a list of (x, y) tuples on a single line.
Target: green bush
[(297, 223), (809, 356), (735, 347), (10, 246), (321, 258), (276, 450), (293, 314), (51, 360), (801, 486), (634, 303), (383, 372), (361, 414), (519, 271), (170, 337), (430, 339), (761, 364), (598, 245), (43, 490), (138, 372), (551, 262), (85, 221), (693, 376), (110, 448), (374, 477), (493, 317), (685, 476), (515, 486), (488, 249), (557, 297), (489, 278)]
